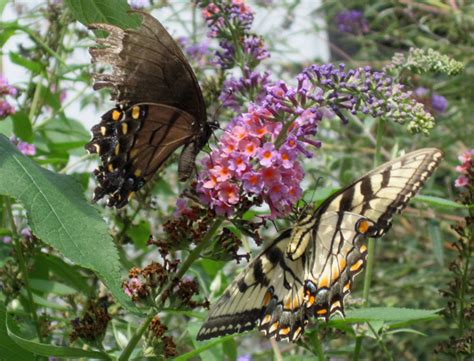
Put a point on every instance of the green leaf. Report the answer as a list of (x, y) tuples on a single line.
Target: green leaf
[(5, 232), (49, 97), (438, 202), (47, 287), (140, 233), (436, 241), (203, 348), (9, 350), (7, 30), (22, 126), (229, 348), (103, 11), (33, 66), (64, 271), (51, 350), (59, 215), (389, 314)]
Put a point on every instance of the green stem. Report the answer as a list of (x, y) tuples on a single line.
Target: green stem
[(357, 348), (34, 102), (137, 336), (23, 268), (371, 242), (318, 347), (371, 245), (161, 298)]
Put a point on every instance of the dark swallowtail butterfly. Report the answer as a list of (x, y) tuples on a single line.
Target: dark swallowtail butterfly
[(160, 108), (308, 270)]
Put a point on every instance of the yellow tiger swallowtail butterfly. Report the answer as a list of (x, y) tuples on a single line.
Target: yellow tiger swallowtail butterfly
[(308, 270)]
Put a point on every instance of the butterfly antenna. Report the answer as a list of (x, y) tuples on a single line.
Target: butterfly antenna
[(308, 205)]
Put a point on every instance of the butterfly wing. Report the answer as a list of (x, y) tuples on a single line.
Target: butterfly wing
[(365, 207), (147, 67), (386, 190), (257, 296), (133, 144), (149, 71), (271, 292)]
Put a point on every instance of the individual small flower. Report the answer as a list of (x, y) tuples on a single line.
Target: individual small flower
[(138, 4), (352, 22), (267, 155), (461, 181), (439, 103), (7, 240), (252, 182), (466, 169), (6, 109), (6, 88), (183, 209), (466, 156), (23, 147), (244, 358), (26, 148)]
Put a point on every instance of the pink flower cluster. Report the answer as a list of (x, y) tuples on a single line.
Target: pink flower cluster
[(466, 169), (133, 287), (218, 15), (6, 90), (257, 156)]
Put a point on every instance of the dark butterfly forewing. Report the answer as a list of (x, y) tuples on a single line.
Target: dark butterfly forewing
[(160, 108)]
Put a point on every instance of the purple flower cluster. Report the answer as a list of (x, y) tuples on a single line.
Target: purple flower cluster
[(352, 22), (251, 86), (230, 22), (435, 102), (6, 90), (466, 169), (222, 14), (23, 147), (198, 52), (367, 91)]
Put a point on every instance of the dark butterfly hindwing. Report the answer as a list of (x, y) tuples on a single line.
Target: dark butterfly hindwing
[(161, 108), (309, 270)]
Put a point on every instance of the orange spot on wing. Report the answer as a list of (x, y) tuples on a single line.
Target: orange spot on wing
[(266, 319), (363, 226), (342, 263), (116, 115), (136, 112), (347, 287), (321, 312), (284, 331), (274, 327), (356, 266), (266, 299), (363, 249), (323, 282)]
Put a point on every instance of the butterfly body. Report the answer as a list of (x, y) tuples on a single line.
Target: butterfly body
[(160, 108), (307, 271)]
